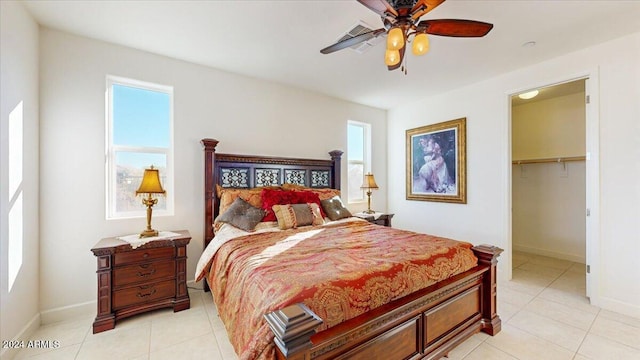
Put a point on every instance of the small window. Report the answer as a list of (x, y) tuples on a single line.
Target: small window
[(358, 158), (139, 134)]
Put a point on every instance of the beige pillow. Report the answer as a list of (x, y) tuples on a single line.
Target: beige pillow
[(290, 216)]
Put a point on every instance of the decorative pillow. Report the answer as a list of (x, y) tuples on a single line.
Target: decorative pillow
[(334, 208), (290, 216), (323, 193), (272, 197), (242, 215), (326, 193), (289, 186), (220, 189), (228, 196)]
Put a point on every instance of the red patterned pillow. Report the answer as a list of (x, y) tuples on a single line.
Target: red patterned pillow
[(279, 197)]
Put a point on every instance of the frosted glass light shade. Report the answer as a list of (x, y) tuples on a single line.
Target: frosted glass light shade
[(420, 44), (395, 39), (528, 95), (392, 57)]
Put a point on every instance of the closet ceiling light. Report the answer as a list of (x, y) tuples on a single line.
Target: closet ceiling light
[(528, 95)]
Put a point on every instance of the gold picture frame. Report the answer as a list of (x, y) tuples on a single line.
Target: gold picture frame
[(437, 162)]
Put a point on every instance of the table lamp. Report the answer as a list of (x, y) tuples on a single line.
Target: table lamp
[(150, 185), (369, 184)]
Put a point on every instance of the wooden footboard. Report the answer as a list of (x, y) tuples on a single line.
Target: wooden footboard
[(426, 324)]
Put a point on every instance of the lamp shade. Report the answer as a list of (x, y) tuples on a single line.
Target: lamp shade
[(150, 182), (369, 182)]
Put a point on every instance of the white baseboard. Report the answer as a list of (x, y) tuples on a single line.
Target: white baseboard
[(23, 335), (553, 254), (68, 312), (88, 308), (618, 306)]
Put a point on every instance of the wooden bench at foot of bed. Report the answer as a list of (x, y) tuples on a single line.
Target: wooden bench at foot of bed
[(425, 324)]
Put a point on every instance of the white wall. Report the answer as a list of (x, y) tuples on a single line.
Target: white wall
[(549, 128), (549, 204), (246, 115), (19, 102), (486, 218)]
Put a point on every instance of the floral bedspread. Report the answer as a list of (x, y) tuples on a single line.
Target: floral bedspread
[(339, 271)]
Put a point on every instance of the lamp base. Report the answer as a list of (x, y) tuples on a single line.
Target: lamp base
[(149, 233), (369, 211)]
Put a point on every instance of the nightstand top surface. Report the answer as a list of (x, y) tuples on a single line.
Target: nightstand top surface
[(376, 215), (116, 245)]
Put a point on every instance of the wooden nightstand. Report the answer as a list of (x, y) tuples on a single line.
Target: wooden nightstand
[(133, 281), (377, 218)]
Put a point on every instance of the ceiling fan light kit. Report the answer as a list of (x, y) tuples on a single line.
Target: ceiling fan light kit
[(401, 22)]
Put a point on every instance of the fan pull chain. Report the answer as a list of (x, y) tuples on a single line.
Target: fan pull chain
[(404, 65)]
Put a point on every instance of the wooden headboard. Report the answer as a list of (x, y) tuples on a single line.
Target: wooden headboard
[(249, 171)]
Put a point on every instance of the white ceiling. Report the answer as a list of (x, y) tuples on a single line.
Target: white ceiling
[(281, 40)]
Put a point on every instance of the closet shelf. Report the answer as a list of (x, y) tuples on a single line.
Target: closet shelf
[(549, 160)]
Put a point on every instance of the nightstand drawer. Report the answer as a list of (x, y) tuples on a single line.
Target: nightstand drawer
[(143, 293), (144, 272), (142, 255)]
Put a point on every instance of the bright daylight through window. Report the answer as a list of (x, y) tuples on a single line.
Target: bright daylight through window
[(139, 135), (358, 157)]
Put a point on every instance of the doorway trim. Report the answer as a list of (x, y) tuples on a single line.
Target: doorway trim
[(592, 176)]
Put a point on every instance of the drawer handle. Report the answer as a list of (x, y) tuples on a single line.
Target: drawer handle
[(141, 274), (141, 295), (145, 255)]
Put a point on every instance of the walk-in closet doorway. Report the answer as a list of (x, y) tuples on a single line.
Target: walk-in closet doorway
[(554, 177)]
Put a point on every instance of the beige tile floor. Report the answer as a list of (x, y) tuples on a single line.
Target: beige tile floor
[(544, 312)]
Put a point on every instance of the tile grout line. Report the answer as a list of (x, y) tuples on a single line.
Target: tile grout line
[(84, 338), (213, 331), (535, 297), (586, 334)]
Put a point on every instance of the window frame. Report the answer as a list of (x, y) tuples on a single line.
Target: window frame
[(111, 150), (366, 154)]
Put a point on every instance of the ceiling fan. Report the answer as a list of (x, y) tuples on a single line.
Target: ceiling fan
[(401, 22)]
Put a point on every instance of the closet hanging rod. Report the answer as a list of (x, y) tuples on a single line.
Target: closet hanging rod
[(549, 160)]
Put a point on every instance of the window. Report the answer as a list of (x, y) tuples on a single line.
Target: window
[(139, 134), (358, 157)]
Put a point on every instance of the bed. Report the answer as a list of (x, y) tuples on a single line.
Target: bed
[(422, 297)]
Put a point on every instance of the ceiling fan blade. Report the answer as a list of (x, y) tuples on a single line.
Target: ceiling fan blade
[(424, 6), (393, 67), (352, 41), (379, 7), (455, 27)]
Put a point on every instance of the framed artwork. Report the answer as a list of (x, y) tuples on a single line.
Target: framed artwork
[(436, 162)]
